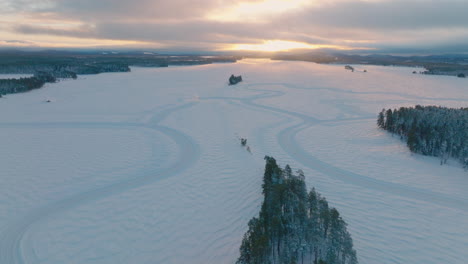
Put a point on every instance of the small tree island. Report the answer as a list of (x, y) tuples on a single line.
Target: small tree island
[(235, 79)]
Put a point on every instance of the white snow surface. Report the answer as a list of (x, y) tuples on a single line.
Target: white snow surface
[(147, 167)]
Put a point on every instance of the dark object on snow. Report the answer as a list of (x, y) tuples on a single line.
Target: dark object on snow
[(365, 70), (461, 75), (243, 141), (235, 79), (347, 67), (414, 72)]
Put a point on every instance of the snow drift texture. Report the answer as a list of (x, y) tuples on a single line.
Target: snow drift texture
[(146, 167)]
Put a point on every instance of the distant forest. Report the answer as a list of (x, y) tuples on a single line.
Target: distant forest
[(295, 226), (453, 65), (430, 130), (69, 64), (9, 86)]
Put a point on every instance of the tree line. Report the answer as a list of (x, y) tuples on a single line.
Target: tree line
[(50, 73), (430, 130), (9, 86), (70, 64), (294, 226)]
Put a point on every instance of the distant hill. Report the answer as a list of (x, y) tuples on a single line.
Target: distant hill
[(451, 64)]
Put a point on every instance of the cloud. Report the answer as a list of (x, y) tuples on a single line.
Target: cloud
[(389, 15), (354, 23), (18, 41), (118, 10), (207, 32), (84, 31)]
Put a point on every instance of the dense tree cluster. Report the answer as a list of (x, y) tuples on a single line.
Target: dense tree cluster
[(294, 226), (235, 79), (96, 68), (49, 73), (8, 86), (430, 130), (62, 68)]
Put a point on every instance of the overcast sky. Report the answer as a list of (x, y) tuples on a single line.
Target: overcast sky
[(217, 25)]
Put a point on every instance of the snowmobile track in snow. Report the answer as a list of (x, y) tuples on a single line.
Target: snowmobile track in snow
[(288, 142), (12, 250)]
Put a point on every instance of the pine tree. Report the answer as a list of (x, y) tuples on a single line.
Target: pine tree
[(389, 120), (381, 119)]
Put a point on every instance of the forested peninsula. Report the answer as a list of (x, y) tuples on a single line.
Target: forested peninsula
[(430, 130), (295, 226)]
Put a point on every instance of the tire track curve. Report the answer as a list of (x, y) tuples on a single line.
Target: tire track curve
[(11, 246), (288, 142)]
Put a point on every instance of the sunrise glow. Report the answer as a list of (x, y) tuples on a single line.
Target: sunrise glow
[(281, 45), (250, 25)]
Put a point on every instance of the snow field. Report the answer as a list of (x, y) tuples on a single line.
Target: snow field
[(147, 167)]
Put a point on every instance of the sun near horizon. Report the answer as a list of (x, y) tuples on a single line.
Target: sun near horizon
[(281, 46)]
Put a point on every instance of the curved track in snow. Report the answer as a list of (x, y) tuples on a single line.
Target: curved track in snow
[(351, 92), (15, 250), (288, 142), (12, 250)]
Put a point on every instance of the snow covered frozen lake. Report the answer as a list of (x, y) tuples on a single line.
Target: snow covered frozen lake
[(147, 166)]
